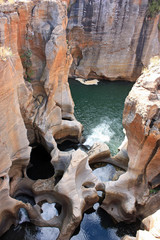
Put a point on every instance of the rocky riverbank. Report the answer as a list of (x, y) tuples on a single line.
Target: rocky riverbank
[(37, 108)]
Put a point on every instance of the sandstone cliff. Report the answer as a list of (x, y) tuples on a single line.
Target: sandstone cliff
[(35, 101), (136, 193), (36, 107), (111, 39)]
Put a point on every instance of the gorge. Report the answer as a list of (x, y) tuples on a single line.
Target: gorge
[(39, 48)]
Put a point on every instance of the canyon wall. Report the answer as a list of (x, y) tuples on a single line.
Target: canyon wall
[(35, 100), (136, 193), (36, 106), (111, 39)]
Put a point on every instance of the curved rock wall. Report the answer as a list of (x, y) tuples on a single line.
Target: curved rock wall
[(111, 39), (135, 194), (33, 48), (36, 107)]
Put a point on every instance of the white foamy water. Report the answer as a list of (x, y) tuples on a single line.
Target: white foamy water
[(45, 233), (48, 233), (49, 211), (23, 216), (42, 233), (101, 133)]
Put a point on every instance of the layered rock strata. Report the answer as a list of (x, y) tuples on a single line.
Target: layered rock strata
[(36, 105), (111, 39), (135, 194)]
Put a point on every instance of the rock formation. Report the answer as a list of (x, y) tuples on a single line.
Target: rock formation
[(37, 108), (132, 195), (151, 226), (36, 105), (111, 39), (100, 153), (75, 193)]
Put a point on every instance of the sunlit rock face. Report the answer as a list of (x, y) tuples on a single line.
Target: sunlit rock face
[(36, 105), (132, 195), (111, 39), (37, 108)]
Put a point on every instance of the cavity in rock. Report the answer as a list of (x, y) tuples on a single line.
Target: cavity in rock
[(40, 166)]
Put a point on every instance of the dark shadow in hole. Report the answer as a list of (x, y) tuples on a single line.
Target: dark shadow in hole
[(67, 146), (88, 185), (77, 230), (40, 166), (19, 232), (58, 177), (105, 219), (26, 199), (128, 229), (122, 228), (67, 118), (59, 208), (158, 87)]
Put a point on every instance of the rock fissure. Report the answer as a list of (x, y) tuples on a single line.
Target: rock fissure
[(38, 109)]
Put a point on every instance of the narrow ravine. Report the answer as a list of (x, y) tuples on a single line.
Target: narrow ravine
[(99, 108)]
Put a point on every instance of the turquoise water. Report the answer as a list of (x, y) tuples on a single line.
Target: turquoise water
[(99, 108)]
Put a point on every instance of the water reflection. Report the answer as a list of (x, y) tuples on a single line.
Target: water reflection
[(96, 225)]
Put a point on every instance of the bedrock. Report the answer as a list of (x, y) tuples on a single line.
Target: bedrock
[(134, 194), (111, 39), (35, 100)]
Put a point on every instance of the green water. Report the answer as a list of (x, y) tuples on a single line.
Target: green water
[(99, 108)]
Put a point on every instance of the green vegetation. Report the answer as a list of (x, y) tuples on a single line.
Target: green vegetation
[(153, 8), (27, 64), (153, 191)]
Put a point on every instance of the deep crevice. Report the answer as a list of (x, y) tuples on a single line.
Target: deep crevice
[(58, 177), (40, 166), (26, 198)]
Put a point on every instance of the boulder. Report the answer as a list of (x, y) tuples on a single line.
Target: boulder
[(98, 153)]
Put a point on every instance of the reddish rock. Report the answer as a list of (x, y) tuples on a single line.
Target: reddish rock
[(130, 197), (111, 39), (40, 109)]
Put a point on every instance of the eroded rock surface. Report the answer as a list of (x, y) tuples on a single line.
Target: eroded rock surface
[(36, 105), (100, 152), (151, 228), (131, 196), (75, 193), (111, 39)]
